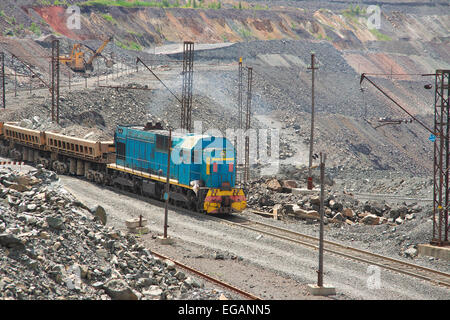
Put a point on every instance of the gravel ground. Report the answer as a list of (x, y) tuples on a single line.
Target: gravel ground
[(342, 133), (277, 256)]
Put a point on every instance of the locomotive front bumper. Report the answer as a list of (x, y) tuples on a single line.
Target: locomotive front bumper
[(224, 201)]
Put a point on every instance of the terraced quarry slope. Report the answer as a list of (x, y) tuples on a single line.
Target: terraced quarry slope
[(413, 39)]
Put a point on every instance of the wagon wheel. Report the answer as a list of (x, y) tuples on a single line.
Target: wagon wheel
[(199, 206)]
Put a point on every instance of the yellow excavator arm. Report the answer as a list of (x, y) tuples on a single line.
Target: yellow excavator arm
[(99, 51), (76, 59)]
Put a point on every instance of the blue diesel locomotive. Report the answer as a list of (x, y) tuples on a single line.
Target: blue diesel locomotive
[(202, 168)]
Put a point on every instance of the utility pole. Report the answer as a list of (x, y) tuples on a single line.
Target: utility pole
[(55, 80), (320, 289), (322, 178), (2, 58), (188, 75), (165, 239), (15, 75), (247, 125), (441, 166), (98, 74), (240, 93), (312, 67), (440, 136), (238, 140)]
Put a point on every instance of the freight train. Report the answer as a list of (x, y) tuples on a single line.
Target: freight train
[(202, 167)]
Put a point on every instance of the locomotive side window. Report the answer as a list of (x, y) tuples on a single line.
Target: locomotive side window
[(120, 150), (197, 157), (162, 142)]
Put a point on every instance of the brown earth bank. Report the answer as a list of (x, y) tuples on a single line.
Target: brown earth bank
[(334, 21)]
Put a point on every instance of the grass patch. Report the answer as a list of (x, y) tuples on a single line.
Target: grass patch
[(130, 46), (245, 33), (215, 5), (109, 18), (260, 7), (35, 29), (380, 36), (355, 11), (195, 4), (127, 4)]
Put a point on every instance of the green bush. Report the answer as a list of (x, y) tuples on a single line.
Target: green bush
[(380, 36), (35, 29), (109, 18), (130, 46), (214, 5)]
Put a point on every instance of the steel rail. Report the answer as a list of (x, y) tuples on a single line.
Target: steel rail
[(339, 249), (208, 277), (410, 269), (381, 195)]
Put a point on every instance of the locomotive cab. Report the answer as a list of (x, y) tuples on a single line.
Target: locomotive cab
[(220, 177)]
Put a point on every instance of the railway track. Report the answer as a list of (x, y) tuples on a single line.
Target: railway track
[(180, 264), (427, 274), (209, 278), (388, 196), (431, 275)]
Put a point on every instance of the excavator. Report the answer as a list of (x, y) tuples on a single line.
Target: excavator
[(76, 60)]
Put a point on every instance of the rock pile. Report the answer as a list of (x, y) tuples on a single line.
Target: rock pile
[(283, 196), (53, 247)]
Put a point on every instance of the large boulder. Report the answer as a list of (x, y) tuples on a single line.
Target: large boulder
[(336, 206), (154, 292), (349, 213), (118, 289), (314, 200), (374, 207), (11, 241), (274, 185), (99, 214), (411, 252), (55, 222), (265, 201), (398, 213), (289, 184), (371, 219)]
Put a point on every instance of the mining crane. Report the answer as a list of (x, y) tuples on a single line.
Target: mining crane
[(76, 60)]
